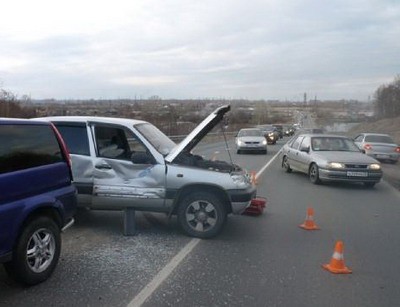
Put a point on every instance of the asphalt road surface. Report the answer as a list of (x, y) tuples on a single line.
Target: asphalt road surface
[(262, 260)]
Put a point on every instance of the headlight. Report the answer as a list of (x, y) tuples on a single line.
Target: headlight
[(241, 181), (239, 142), (374, 166), (336, 165), (264, 142)]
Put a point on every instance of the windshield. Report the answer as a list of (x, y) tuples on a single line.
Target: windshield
[(333, 144), (158, 139), (379, 139), (250, 132)]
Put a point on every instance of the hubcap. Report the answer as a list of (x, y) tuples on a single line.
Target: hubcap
[(201, 215), (313, 172), (40, 250), (285, 163)]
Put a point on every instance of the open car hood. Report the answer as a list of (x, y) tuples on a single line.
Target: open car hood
[(198, 133)]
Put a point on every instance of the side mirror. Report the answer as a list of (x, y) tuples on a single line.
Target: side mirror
[(305, 149), (141, 158)]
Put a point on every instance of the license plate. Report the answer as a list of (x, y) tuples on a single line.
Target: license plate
[(357, 174)]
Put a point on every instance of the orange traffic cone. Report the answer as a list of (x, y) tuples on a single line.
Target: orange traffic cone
[(309, 222), (253, 177), (337, 265)]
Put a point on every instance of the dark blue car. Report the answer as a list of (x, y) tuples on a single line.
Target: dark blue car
[(37, 198)]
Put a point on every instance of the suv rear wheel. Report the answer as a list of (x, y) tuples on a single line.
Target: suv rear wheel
[(37, 251), (201, 215)]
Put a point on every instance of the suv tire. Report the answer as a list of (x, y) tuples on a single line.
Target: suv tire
[(286, 165), (36, 252), (201, 215)]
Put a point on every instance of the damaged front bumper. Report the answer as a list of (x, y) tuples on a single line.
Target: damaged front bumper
[(241, 198)]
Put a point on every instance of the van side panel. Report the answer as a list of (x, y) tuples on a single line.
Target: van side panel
[(21, 192)]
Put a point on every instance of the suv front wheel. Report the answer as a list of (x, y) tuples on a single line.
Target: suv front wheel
[(201, 215), (37, 251)]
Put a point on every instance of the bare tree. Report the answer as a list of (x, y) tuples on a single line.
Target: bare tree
[(387, 100)]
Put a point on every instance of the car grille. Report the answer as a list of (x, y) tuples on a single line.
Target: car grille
[(249, 143), (357, 166)]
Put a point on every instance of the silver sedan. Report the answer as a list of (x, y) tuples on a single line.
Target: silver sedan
[(251, 139), (379, 146), (330, 158)]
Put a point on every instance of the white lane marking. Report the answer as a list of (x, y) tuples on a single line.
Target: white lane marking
[(268, 164), (148, 290)]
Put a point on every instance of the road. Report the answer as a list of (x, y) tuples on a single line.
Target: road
[(256, 261)]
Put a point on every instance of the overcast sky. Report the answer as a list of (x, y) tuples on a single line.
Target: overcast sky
[(254, 49)]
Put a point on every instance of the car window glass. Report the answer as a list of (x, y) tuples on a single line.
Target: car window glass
[(26, 146), (117, 142), (358, 138), (379, 139), (296, 143), (155, 137), (75, 136), (250, 132), (305, 143)]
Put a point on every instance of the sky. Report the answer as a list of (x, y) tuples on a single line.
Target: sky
[(191, 49)]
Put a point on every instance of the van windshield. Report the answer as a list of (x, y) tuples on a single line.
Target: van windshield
[(156, 137)]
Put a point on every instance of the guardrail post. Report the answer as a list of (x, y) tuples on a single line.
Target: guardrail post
[(129, 222)]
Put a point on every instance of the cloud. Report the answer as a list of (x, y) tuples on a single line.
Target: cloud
[(185, 49)]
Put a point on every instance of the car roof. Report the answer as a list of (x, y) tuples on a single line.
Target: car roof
[(249, 129), (321, 135), (108, 120), (372, 133), (27, 121)]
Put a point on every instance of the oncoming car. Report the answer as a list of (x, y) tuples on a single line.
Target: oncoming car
[(330, 158), (270, 133), (251, 139)]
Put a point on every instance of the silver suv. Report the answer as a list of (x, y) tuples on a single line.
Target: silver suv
[(122, 163)]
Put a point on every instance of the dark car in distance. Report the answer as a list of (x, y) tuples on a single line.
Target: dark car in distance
[(37, 198), (270, 133)]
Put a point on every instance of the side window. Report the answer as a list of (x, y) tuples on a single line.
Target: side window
[(75, 136), (26, 146), (117, 142), (305, 143), (358, 138), (296, 143)]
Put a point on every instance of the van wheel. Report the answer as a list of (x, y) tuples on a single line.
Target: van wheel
[(36, 253), (201, 215)]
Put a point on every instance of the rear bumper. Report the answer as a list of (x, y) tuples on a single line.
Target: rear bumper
[(384, 156)]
